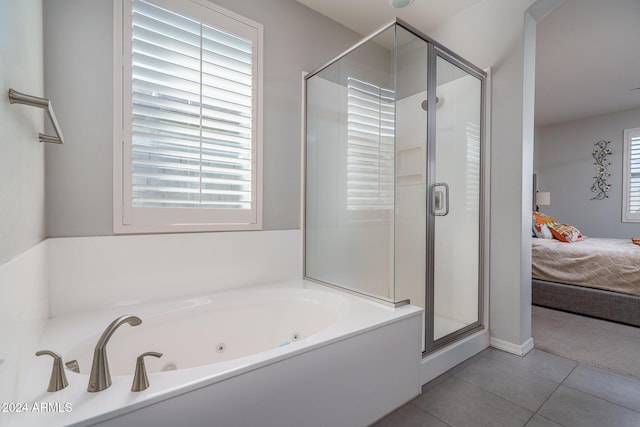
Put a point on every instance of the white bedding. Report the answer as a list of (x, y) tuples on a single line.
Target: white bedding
[(611, 264)]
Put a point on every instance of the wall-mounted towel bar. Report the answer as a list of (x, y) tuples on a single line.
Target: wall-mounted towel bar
[(16, 97)]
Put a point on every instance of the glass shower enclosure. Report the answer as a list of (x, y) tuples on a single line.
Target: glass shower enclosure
[(393, 171)]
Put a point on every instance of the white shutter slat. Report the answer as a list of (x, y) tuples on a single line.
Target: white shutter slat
[(165, 71), (152, 132), (181, 166), (179, 49), (239, 127), (143, 115), (217, 84), (222, 94), (227, 39)]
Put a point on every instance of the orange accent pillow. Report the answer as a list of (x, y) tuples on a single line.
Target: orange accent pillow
[(565, 233), (541, 225)]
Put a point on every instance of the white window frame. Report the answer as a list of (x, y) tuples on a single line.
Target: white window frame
[(128, 219), (627, 216)]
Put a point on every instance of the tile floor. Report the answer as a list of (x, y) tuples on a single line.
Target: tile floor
[(495, 388)]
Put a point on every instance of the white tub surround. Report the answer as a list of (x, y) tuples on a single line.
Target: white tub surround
[(360, 361), (66, 275), (24, 309), (88, 273)]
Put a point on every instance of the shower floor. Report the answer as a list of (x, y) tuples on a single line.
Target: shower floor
[(443, 326)]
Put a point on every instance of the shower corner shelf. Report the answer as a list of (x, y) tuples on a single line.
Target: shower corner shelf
[(16, 97), (410, 166)]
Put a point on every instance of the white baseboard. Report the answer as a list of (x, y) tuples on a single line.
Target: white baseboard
[(441, 361), (519, 350)]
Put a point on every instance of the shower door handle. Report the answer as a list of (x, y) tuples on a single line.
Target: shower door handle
[(440, 199)]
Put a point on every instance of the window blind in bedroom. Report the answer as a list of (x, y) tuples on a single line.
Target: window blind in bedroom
[(631, 193)]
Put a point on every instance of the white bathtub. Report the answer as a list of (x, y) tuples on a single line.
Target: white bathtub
[(205, 330), (289, 354)]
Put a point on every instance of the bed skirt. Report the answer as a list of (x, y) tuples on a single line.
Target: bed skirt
[(613, 306)]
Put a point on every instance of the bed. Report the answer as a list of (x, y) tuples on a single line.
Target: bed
[(596, 277)]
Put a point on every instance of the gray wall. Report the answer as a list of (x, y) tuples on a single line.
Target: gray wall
[(22, 222), (565, 167), (79, 79), (24, 303)]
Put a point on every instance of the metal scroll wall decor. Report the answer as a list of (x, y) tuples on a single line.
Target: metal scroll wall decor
[(601, 187)]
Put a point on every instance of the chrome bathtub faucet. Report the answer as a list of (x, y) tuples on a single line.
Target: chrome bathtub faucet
[(100, 377)]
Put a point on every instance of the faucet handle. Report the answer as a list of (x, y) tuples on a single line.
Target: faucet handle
[(73, 365), (58, 379), (140, 379)]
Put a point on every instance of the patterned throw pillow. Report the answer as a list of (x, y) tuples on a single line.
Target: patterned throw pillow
[(565, 233), (541, 223)]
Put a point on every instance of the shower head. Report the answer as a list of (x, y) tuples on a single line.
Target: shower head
[(425, 105)]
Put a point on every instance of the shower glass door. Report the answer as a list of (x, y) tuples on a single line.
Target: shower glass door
[(455, 201)]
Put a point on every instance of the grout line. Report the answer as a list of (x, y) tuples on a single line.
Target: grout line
[(569, 374), (530, 418), (497, 395), (453, 372), (618, 404), (552, 393), (430, 414), (478, 387), (515, 365), (524, 371), (596, 396)]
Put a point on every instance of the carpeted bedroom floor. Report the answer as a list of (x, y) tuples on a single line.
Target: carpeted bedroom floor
[(607, 345)]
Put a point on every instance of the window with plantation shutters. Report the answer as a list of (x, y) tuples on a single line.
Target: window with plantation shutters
[(191, 118), (370, 147), (631, 192)]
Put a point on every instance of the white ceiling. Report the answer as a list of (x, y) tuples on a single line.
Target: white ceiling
[(366, 16), (588, 58)]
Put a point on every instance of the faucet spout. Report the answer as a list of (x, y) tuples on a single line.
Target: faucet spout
[(100, 377)]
